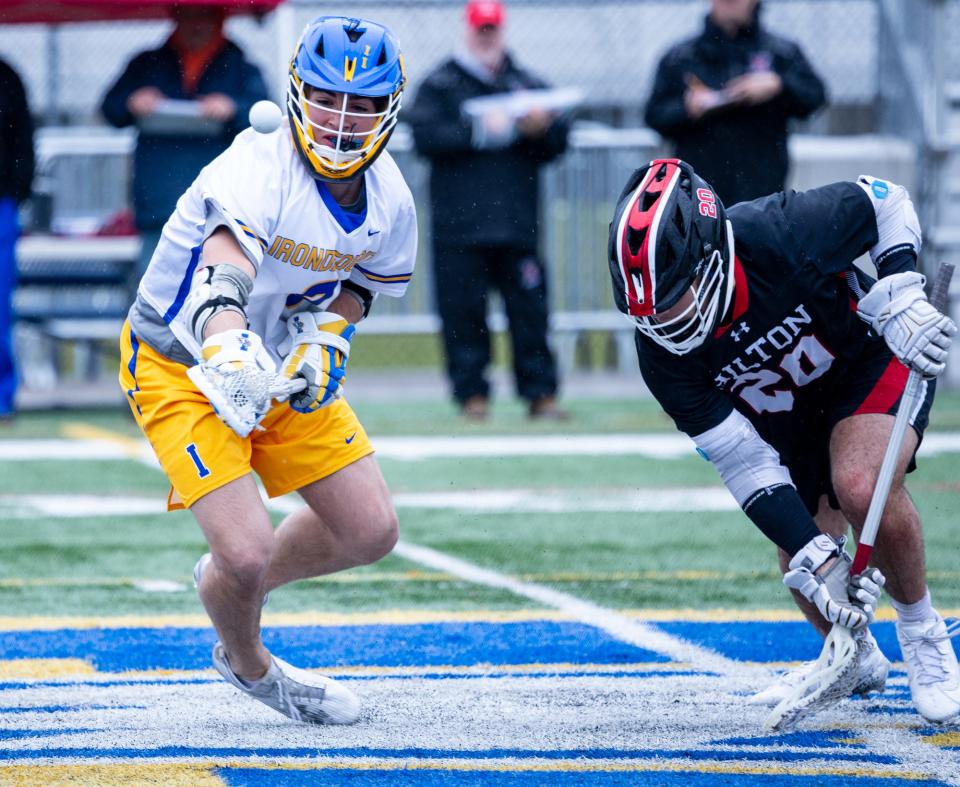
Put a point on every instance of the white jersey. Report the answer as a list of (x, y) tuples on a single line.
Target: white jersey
[(302, 243)]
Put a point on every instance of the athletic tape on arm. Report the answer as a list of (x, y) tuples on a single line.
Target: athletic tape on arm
[(898, 227), (746, 462), (215, 289)]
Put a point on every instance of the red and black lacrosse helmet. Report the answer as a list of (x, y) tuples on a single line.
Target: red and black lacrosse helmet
[(671, 251)]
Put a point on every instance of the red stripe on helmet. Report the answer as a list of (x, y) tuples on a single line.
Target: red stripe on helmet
[(641, 304)]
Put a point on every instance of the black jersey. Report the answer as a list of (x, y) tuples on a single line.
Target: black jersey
[(794, 324)]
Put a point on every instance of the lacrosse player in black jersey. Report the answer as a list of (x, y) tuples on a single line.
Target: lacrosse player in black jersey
[(785, 364)]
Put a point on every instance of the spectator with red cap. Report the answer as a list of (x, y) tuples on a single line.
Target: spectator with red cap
[(484, 204)]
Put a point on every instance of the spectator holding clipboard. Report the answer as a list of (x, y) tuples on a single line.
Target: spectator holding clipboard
[(189, 98), (725, 97), (487, 126)]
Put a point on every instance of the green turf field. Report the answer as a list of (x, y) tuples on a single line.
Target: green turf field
[(57, 565)]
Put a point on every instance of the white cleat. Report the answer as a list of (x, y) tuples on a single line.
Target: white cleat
[(201, 566), (301, 695), (872, 674), (932, 667)]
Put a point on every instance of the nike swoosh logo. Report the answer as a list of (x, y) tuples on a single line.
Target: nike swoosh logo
[(372, 232), (349, 439)]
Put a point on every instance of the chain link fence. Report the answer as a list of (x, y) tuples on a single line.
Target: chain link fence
[(607, 49)]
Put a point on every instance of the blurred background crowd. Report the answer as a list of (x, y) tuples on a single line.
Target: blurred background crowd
[(862, 86)]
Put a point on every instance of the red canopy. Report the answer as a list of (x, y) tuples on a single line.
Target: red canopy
[(59, 11)]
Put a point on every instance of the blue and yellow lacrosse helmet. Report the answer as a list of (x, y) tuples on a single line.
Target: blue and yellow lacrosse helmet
[(352, 57)]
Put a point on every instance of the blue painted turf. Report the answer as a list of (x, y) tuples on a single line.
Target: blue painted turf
[(439, 755), (242, 777), (421, 645), (440, 644), (777, 641)]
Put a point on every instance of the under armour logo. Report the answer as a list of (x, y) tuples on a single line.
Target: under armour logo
[(298, 324), (739, 331)]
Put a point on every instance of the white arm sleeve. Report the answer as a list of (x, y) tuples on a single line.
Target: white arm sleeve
[(897, 223), (747, 463)]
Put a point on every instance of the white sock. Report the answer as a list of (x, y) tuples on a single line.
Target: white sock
[(914, 613)]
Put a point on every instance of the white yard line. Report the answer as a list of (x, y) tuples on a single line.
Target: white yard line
[(615, 624), (72, 506), (563, 500), (657, 446), (23, 450), (913, 753), (476, 501)]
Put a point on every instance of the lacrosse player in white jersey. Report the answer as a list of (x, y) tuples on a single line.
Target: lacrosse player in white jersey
[(235, 349)]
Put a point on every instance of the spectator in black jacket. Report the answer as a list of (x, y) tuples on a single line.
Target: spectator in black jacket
[(484, 207), (196, 64), (16, 175), (724, 99)]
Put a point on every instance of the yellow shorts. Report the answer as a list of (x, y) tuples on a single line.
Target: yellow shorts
[(200, 453)]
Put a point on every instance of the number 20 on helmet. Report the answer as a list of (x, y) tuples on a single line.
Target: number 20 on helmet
[(671, 255)]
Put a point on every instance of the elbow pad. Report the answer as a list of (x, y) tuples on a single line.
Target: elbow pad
[(898, 227), (215, 289), (746, 462)]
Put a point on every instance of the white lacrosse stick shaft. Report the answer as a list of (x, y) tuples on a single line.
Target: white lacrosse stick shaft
[(908, 402), (828, 681)]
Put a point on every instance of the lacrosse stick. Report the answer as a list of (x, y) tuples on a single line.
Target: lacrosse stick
[(242, 398), (838, 661)]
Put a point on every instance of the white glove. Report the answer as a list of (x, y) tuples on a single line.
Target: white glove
[(239, 378), (321, 347), (821, 573), (897, 308)]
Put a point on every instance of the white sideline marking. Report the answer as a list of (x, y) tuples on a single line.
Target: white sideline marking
[(22, 450), (159, 586), (71, 506), (657, 446), (715, 498), (665, 446), (615, 624), (477, 501)]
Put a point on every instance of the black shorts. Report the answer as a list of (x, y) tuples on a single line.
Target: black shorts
[(873, 383)]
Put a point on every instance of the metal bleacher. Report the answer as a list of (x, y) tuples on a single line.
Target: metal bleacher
[(73, 285), (73, 289)]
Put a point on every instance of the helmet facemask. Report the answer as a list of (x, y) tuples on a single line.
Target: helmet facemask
[(346, 140), (698, 311), (671, 255), (338, 63)]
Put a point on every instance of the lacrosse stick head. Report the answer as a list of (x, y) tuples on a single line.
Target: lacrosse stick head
[(829, 682), (241, 397)]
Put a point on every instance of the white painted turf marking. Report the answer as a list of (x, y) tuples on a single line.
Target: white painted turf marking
[(912, 752), (71, 506), (666, 446), (915, 754), (615, 624), (715, 498), (489, 500), (627, 714)]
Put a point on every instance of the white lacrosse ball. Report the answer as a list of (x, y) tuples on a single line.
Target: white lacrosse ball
[(265, 116)]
